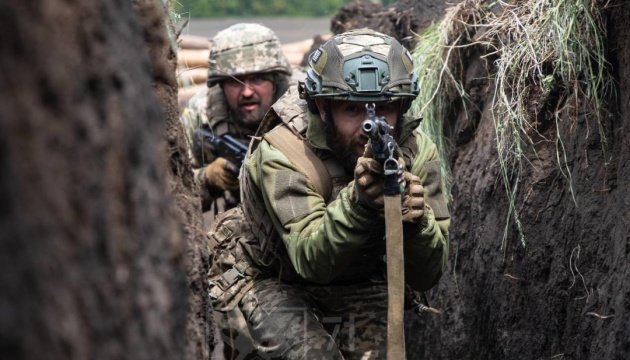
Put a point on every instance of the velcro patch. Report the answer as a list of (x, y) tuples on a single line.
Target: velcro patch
[(318, 60), (290, 195), (316, 55)]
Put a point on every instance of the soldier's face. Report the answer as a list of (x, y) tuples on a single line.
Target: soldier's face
[(249, 97), (347, 117)]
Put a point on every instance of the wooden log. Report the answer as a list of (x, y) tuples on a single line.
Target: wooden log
[(302, 46), (192, 58), (194, 42), (192, 76), (295, 58), (296, 51)]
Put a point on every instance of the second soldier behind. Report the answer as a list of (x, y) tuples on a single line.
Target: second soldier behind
[(247, 73)]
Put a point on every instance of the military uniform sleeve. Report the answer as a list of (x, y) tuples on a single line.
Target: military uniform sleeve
[(192, 118), (426, 244), (320, 239)]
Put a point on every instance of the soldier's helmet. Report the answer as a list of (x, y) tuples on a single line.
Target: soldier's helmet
[(361, 65), (243, 49)]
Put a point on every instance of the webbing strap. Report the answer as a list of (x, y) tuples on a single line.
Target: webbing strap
[(395, 278), (303, 157)]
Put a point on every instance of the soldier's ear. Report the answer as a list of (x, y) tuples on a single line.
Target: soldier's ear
[(321, 106)]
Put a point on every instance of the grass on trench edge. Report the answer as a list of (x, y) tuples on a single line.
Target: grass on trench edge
[(540, 47)]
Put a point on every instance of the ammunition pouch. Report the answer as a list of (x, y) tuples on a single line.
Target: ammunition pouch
[(231, 273)]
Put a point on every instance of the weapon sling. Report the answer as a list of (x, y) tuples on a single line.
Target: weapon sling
[(395, 278), (395, 261), (382, 144)]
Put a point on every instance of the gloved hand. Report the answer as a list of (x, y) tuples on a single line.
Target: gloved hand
[(368, 183), (412, 199), (221, 174)]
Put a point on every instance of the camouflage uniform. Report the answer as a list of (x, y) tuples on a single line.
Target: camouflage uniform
[(238, 50), (241, 49), (308, 270)]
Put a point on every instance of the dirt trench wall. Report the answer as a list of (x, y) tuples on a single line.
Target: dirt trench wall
[(159, 34), (92, 251), (565, 294), (400, 20)]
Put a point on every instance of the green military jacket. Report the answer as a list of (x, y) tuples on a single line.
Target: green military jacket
[(336, 239)]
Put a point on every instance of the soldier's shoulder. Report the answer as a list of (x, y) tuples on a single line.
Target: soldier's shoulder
[(290, 105), (194, 113), (298, 74), (196, 108), (198, 102)]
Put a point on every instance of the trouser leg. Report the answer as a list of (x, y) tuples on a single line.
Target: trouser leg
[(284, 323), (356, 316), (233, 341)]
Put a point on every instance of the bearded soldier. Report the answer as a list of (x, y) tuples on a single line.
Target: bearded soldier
[(247, 73), (303, 257)]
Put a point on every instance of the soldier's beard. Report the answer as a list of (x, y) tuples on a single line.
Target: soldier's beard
[(250, 119), (342, 149)]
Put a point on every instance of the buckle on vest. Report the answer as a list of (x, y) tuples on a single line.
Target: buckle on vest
[(231, 276), (221, 234)]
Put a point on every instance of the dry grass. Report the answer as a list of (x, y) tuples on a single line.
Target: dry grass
[(439, 64), (541, 47)]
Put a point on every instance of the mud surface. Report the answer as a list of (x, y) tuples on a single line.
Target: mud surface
[(92, 251)]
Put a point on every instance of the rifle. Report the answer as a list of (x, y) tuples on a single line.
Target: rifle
[(206, 143), (382, 144)]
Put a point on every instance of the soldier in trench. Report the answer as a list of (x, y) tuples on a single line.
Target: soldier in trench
[(302, 257), (247, 73)]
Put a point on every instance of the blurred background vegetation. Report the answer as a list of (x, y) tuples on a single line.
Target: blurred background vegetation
[(247, 8)]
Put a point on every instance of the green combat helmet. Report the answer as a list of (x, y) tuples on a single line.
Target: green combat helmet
[(361, 65), (243, 49)]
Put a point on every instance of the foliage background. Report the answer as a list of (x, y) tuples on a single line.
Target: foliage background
[(243, 8)]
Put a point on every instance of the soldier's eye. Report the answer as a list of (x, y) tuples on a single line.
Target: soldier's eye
[(257, 80), (351, 108), (232, 83)]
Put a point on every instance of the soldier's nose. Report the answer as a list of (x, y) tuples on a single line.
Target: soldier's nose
[(247, 91)]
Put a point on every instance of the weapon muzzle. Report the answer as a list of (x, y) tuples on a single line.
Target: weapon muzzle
[(368, 126)]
